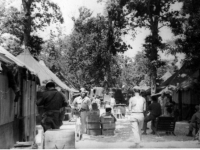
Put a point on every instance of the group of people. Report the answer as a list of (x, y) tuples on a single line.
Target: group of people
[(54, 103), (142, 111)]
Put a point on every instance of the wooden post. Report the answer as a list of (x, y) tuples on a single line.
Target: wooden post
[(180, 104)]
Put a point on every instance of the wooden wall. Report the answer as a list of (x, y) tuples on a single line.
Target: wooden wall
[(15, 126), (29, 109)]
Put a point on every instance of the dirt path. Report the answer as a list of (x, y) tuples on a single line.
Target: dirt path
[(124, 139)]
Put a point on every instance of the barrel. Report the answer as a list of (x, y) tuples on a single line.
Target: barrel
[(59, 139), (93, 123), (108, 125)]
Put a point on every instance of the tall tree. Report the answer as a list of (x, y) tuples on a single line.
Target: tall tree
[(38, 14), (153, 15), (116, 29)]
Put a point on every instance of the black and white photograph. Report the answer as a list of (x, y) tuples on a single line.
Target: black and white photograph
[(99, 74)]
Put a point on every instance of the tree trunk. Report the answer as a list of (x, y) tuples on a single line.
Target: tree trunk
[(27, 21), (109, 46), (154, 57), (155, 37)]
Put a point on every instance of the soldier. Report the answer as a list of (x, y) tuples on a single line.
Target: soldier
[(83, 104), (137, 106), (53, 101)]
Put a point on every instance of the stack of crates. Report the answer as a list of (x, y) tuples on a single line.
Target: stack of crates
[(93, 123), (108, 125)]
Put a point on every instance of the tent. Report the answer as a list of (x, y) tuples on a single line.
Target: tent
[(42, 71), (7, 57), (55, 78)]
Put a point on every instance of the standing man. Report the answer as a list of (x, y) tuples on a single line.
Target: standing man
[(137, 106), (155, 111), (53, 101), (161, 101), (112, 100), (83, 104)]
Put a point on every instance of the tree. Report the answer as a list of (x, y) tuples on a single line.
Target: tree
[(83, 55), (24, 25), (116, 28), (153, 15), (135, 70), (188, 33), (37, 14)]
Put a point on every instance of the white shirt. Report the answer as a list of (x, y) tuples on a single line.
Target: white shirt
[(112, 101), (137, 104)]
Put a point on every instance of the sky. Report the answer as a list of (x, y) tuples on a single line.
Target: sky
[(70, 8)]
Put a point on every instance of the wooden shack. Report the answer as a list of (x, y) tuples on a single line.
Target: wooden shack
[(17, 101), (186, 95)]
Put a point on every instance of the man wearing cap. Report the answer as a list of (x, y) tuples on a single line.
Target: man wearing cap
[(108, 112), (137, 106), (83, 104), (52, 101)]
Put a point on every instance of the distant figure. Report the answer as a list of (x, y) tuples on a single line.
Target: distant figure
[(112, 100), (175, 111), (96, 101), (195, 119), (168, 107), (53, 102), (155, 111), (161, 101), (137, 107)]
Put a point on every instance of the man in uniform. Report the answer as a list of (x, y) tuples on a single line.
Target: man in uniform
[(155, 111), (53, 101), (137, 106), (195, 120), (83, 104)]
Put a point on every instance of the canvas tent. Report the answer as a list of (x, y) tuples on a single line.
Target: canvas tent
[(42, 71), (7, 57)]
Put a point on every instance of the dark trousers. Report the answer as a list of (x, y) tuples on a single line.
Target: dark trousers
[(51, 120), (148, 118)]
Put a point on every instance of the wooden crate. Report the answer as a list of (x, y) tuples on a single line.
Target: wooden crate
[(94, 132), (93, 118), (108, 132), (108, 126), (94, 112), (94, 125), (107, 119)]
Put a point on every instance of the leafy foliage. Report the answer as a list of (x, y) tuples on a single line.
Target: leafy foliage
[(189, 32), (151, 14), (23, 25)]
